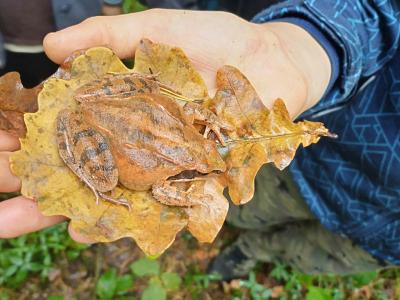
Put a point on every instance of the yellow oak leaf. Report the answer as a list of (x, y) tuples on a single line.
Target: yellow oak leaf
[(59, 191), (260, 135), (171, 67)]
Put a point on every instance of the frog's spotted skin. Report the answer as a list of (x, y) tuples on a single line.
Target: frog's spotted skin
[(87, 154), (117, 86), (126, 131)]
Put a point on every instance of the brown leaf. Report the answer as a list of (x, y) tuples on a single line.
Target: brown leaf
[(12, 122), (260, 136), (15, 100)]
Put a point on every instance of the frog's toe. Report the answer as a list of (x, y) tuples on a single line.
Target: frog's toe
[(120, 201), (217, 131)]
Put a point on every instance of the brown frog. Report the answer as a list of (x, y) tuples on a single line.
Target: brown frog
[(125, 131)]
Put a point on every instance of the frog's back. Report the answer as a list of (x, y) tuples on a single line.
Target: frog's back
[(151, 141), (116, 86)]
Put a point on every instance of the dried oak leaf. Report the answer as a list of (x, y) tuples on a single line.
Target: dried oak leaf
[(171, 67), (59, 192), (205, 221), (260, 136), (15, 100)]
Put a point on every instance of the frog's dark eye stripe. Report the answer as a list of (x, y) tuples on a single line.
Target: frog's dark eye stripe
[(81, 134)]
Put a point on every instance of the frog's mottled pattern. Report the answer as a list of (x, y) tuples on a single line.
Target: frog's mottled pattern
[(126, 131), (117, 86), (95, 160)]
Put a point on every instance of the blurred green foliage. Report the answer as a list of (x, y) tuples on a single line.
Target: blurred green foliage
[(34, 253), (37, 254), (159, 283), (113, 286), (130, 6)]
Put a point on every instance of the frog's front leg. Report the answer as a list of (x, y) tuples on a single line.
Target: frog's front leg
[(168, 194), (201, 115), (86, 153)]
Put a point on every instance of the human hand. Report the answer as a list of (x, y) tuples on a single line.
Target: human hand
[(20, 215), (280, 59)]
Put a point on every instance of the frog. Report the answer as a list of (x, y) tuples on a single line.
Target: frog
[(125, 131)]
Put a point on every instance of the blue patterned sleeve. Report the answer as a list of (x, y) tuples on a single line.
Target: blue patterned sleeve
[(365, 35)]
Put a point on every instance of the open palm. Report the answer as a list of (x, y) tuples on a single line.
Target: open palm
[(280, 59)]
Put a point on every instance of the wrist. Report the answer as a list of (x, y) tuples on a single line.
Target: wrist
[(307, 55)]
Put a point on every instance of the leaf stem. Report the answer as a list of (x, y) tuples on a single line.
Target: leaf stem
[(270, 137), (167, 91)]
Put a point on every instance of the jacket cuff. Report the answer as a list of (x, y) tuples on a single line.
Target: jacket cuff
[(112, 2)]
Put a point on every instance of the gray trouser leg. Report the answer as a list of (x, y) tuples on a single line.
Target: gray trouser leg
[(280, 227)]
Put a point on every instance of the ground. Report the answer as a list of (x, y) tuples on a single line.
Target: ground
[(49, 265)]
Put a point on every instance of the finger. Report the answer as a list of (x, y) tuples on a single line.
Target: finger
[(8, 181), (8, 142), (78, 237), (20, 215), (122, 33)]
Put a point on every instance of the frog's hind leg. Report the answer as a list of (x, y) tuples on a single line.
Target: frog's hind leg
[(100, 195), (120, 201), (86, 152), (168, 194)]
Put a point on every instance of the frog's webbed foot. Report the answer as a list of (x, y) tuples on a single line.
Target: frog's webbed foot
[(202, 115), (100, 195), (168, 194)]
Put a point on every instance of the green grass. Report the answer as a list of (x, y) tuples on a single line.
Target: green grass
[(38, 253), (130, 6), (34, 253)]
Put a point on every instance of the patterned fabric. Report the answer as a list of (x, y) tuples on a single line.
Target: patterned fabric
[(278, 226), (352, 184)]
